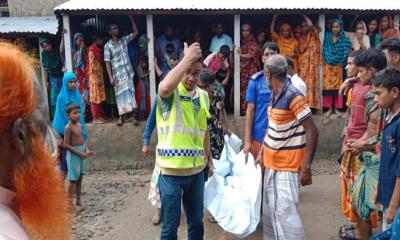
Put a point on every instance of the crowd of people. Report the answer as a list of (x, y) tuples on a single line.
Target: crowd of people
[(279, 89)]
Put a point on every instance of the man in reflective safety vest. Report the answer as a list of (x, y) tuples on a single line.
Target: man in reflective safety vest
[(183, 145)]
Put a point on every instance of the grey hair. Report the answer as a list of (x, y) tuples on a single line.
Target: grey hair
[(277, 66)]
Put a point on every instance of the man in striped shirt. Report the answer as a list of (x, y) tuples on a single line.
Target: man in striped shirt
[(288, 151)]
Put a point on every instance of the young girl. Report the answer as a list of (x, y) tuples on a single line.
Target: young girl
[(96, 78), (373, 33), (68, 94), (143, 88)]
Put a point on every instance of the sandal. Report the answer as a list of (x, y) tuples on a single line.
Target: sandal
[(120, 122), (346, 232)]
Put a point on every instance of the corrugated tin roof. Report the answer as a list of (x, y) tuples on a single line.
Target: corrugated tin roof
[(80, 5), (43, 25)]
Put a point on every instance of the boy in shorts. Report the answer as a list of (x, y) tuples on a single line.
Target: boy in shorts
[(76, 151)]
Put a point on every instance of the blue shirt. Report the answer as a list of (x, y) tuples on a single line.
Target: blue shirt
[(390, 160), (150, 124), (218, 42), (259, 94), (162, 42)]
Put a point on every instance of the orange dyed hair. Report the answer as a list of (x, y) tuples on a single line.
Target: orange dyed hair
[(17, 97), (42, 202)]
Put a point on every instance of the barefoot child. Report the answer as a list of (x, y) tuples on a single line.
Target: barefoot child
[(364, 192), (76, 151)]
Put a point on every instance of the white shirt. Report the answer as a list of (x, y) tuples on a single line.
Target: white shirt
[(299, 84), (11, 227)]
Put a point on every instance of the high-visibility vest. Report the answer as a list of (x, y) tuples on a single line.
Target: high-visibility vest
[(181, 133)]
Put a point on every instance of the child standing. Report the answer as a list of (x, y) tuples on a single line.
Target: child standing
[(364, 192), (76, 151), (143, 88), (69, 94), (387, 96)]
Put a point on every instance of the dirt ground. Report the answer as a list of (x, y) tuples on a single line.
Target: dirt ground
[(115, 207)]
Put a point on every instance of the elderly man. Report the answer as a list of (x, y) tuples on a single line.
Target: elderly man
[(33, 202), (288, 151)]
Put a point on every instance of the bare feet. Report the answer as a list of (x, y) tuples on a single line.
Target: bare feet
[(156, 218), (328, 113), (334, 116)]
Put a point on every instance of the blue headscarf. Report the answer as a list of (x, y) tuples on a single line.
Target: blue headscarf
[(79, 53), (336, 53), (66, 97)]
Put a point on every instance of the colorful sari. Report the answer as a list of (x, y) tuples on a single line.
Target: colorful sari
[(309, 59), (248, 66), (96, 74), (335, 55), (391, 31), (286, 46), (96, 80)]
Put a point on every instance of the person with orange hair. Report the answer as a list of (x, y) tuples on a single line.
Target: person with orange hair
[(33, 202)]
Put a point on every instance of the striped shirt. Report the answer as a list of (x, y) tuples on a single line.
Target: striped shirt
[(284, 143), (122, 71)]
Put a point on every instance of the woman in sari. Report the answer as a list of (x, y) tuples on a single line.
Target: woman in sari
[(249, 62), (79, 67), (52, 68), (359, 39), (373, 33), (285, 40), (309, 59), (96, 79), (336, 49), (387, 28)]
